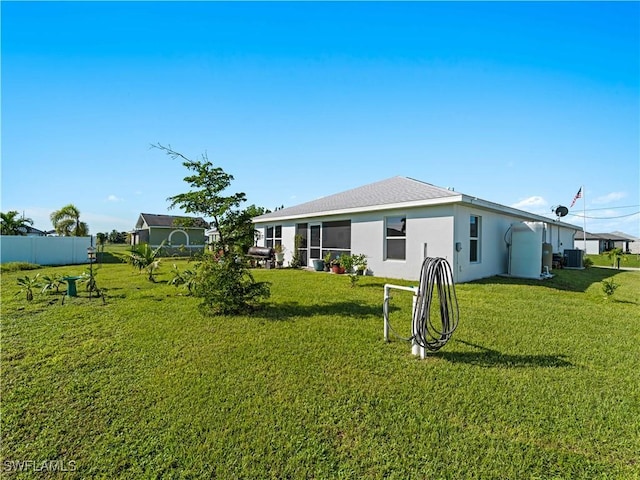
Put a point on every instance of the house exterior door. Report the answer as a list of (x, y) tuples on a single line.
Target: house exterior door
[(315, 247)]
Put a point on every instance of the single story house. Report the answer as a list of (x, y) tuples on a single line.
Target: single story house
[(176, 231), (30, 231), (399, 221), (597, 243)]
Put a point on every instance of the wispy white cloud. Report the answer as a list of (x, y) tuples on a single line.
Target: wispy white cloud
[(608, 198), (534, 204), (113, 198), (531, 202)]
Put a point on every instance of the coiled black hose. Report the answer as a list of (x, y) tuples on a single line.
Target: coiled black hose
[(435, 272)]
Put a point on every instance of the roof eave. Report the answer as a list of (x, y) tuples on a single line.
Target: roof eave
[(478, 202), (464, 199), (370, 208)]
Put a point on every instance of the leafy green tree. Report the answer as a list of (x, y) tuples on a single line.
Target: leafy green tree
[(66, 222), (102, 238), (206, 198), (117, 237), (223, 279), (238, 230), (11, 224)]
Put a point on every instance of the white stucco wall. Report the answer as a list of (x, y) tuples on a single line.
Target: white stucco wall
[(431, 226), (493, 255), (593, 246), (432, 231), (44, 250)]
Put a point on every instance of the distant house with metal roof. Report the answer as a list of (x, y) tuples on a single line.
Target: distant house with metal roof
[(399, 221), (30, 231), (597, 243), (176, 231)]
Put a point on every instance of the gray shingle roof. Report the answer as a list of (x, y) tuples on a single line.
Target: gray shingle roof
[(605, 236), (154, 220), (395, 190)]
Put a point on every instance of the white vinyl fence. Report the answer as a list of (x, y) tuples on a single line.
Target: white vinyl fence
[(44, 250)]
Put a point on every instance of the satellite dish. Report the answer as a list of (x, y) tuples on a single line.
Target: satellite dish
[(561, 211)]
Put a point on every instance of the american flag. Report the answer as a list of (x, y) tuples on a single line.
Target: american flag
[(575, 199)]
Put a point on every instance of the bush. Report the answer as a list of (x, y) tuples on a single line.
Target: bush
[(18, 266), (609, 287), (587, 262), (227, 286)]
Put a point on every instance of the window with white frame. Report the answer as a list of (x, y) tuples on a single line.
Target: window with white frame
[(396, 238), (273, 236), (474, 239)]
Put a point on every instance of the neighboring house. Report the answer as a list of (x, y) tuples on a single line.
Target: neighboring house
[(212, 236), (30, 231), (398, 222), (597, 243), (176, 231), (634, 242)]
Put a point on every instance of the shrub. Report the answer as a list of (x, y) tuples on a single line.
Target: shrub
[(609, 287), (27, 284), (18, 266), (296, 260), (227, 287), (51, 282)]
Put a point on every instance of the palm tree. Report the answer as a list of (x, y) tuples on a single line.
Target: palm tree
[(12, 225), (67, 222), (28, 284), (616, 255), (146, 258)]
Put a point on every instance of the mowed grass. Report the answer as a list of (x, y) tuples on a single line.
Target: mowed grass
[(541, 380), (630, 260)]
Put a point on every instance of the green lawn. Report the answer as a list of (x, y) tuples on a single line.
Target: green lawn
[(541, 380), (629, 260)]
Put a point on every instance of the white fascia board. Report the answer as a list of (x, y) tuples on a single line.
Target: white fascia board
[(372, 208)]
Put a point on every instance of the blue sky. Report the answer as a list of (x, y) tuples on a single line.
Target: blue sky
[(516, 103)]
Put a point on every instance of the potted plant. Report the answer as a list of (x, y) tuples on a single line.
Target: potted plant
[(337, 266), (318, 264), (360, 263), (327, 261), (279, 249), (346, 262)]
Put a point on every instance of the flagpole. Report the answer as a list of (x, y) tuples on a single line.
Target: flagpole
[(584, 219)]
